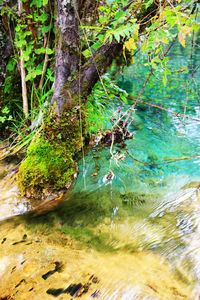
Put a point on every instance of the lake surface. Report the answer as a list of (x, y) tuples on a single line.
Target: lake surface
[(135, 236)]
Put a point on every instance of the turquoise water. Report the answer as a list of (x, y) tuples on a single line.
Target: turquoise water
[(150, 208)]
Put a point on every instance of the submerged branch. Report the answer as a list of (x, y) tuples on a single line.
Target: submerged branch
[(164, 161)]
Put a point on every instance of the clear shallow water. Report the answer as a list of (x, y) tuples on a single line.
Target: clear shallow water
[(139, 231), (157, 206)]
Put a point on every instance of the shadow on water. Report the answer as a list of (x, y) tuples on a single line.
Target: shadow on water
[(82, 215)]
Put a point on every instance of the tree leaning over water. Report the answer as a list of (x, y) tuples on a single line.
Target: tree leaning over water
[(89, 36)]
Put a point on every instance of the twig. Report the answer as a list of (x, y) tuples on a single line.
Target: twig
[(164, 161), (186, 99), (196, 89), (165, 109), (46, 59), (140, 94), (191, 76), (171, 160), (146, 81)]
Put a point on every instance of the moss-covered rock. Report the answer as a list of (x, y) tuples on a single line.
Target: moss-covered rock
[(50, 165)]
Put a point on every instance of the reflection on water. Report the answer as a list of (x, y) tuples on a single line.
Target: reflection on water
[(137, 234)]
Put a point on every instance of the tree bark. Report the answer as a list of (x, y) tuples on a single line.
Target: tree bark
[(67, 54), (95, 67)]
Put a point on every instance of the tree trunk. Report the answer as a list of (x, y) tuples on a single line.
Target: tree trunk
[(67, 54)]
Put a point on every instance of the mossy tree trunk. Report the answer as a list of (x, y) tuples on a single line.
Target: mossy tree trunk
[(50, 165)]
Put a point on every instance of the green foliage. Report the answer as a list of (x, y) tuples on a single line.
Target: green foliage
[(5, 115), (100, 100), (32, 41), (33, 47), (151, 36), (113, 23)]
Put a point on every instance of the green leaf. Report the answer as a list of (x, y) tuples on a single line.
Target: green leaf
[(119, 14), (26, 56), (49, 51), (46, 29), (40, 50), (2, 119), (5, 110), (87, 53), (26, 33), (30, 76), (123, 98), (96, 46), (43, 18), (11, 65), (164, 80), (37, 3), (117, 36), (148, 3), (110, 1), (103, 19)]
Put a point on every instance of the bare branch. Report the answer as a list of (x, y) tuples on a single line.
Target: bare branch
[(165, 109)]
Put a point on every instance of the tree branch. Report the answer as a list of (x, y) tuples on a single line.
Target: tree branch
[(95, 67)]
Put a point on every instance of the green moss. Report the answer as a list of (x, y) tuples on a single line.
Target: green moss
[(50, 157)]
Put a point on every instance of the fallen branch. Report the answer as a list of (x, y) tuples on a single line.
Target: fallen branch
[(178, 159), (164, 161), (168, 110), (162, 108)]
